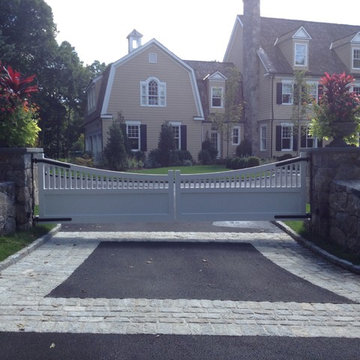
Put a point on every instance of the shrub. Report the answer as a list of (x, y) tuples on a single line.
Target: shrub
[(253, 161), (208, 153), (242, 162), (166, 145), (115, 153), (284, 157), (243, 149)]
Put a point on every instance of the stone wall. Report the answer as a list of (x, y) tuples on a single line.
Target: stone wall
[(345, 214), (7, 208), (330, 170), (16, 167)]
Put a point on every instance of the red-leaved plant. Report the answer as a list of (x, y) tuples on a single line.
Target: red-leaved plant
[(338, 110)]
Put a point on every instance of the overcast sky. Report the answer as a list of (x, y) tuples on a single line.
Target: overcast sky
[(191, 29)]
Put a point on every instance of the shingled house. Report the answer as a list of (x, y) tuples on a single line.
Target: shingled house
[(282, 47), (150, 86)]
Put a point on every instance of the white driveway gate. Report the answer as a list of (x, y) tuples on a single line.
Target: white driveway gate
[(78, 194)]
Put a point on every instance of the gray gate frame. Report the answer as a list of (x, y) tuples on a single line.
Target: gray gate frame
[(78, 194)]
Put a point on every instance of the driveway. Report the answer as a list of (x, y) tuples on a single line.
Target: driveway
[(195, 291)]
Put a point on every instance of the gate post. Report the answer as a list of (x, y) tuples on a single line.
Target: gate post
[(16, 166)]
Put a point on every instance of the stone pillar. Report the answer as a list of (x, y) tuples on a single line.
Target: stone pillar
[(7, 208), (16, 166), (328, 165)]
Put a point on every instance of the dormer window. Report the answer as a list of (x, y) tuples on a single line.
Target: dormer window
[(356, 58), (217, 97), (300, 54)]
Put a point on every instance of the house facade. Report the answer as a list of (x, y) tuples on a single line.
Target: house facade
[(283, 47), (150, 86)]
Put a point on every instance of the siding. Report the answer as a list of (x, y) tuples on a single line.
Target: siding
[(180, 100), (235, 51)]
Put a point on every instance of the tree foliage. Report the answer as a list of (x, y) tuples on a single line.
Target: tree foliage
[(18, 116), (115, 153), (28, 44), (337, 107)]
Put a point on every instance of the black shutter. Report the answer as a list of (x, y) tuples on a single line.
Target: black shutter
[(303, 137), (279, 93), (278, 138), (183, 137), (320, 143), (295, 142), (143, 138)]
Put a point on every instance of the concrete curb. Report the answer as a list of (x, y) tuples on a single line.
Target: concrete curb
[(317, 250), (12, 259)]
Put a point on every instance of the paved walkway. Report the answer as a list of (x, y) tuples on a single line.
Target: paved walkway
[(24, 285)]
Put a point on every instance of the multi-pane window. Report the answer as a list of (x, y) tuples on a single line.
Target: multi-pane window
[(177, 136), (217, 97), (356, 89), (286, 137), (263, 138), (312, 88), (236, 135), (153, 92), (287, 92), (307, 140), (300, 54), (356, 58), (133, 135)]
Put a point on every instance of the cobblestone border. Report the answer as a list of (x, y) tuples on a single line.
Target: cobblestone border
[(317, 250), (12, 259)]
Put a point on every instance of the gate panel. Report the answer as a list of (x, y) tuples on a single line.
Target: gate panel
[(85, 195), (260, 193)]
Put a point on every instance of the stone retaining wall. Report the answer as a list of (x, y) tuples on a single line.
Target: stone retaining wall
[(16, 167), (7, 208), (333, 173), (345, 214)]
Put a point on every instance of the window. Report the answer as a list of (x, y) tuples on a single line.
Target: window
[(287, 92), (286, 137), (356, 89), (307, 141), (153, 92), (133, 135), (356, 58), (176, 127), (152, 58), (300, 56), (312, 88), (217, 97), (236, 135), (263, 138)]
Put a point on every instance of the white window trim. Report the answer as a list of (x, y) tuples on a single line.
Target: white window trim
[(291, 138), (287, 82), (238, 136), (222, 97), (262, 148), (352, 57), (306, 54), (134, 123), (218, 145), (161, 87), (354, 85)]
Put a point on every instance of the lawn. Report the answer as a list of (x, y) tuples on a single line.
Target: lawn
[(195, 169), (12, 243)]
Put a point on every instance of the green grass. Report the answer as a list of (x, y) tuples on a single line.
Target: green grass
[(195, 169), (12, 243)]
